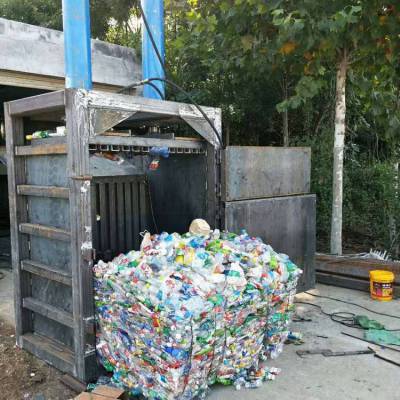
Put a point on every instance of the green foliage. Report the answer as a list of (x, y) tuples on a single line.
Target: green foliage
[(370, 194), (45, 13), (257, 59), (105, 14), (370, 199)]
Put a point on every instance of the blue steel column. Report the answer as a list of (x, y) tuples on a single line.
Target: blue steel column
[(151, 67), (77, 51)]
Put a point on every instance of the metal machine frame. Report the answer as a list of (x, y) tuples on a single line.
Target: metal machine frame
[(87, 114)]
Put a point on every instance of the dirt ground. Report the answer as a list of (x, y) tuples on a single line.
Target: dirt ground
[(23, 376)]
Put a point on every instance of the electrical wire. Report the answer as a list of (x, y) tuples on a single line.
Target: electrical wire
[(162, 97), (144, 83), (153, 43), (205, 116), (188, 96), (169, 82), (342, 317), (354, 304), (151, 207)]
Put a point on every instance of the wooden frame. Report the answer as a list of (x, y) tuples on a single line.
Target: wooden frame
[(79, 106)]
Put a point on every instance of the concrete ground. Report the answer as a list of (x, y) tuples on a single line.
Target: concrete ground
[(6, 284), (6, 297), (314, 377)]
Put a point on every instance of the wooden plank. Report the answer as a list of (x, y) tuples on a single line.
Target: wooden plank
[(104, 229), (22, 79), (18, 212), (348, 282), (41, 150), (39, 52), (45, 271), (135, 215), (361, 271), (50, 351), (37, 104), (121, 219), (109, 392), (47, 232), (48, 311), (43, 191), (353, 261), (128, 216), (113, 217), (342, 281), (355, 266), (73, 383), (91, 396)]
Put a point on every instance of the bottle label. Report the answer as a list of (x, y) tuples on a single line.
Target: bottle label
[(382, 289)]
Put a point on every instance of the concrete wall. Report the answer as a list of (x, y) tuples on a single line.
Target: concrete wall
[(33, 50)]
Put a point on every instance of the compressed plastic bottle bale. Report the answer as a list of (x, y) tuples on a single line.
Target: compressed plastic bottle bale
[(190, 310)]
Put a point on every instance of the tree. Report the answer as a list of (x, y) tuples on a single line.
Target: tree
[(280, 70), (228, 52), (342, 35)]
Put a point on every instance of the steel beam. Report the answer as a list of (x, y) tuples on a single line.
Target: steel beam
[(154, 13), (78, 61)]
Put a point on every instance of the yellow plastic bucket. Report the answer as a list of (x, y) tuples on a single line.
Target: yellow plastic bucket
[(381, 285)]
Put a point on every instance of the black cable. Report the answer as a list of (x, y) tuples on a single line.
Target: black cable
[(151, 208), (342, 317), (354, 304), (146, 23), (180, 88), (176, 86), (162, 97), (148, 81), (144, 83)]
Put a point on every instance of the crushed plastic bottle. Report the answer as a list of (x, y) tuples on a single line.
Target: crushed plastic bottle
[(190, 310)]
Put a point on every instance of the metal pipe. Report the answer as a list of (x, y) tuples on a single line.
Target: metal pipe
[(151, 67), (77, 50)]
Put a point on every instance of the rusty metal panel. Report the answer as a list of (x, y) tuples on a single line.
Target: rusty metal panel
[(286, 223), (257, 172)]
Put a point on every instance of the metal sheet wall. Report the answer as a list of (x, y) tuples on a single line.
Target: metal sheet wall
[(257, 172), (266, 192), (286, 223)]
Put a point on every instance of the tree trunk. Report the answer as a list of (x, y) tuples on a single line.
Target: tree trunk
[(338, 152), (394, 241), (227, 135), (285, 117), (285, 114)]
